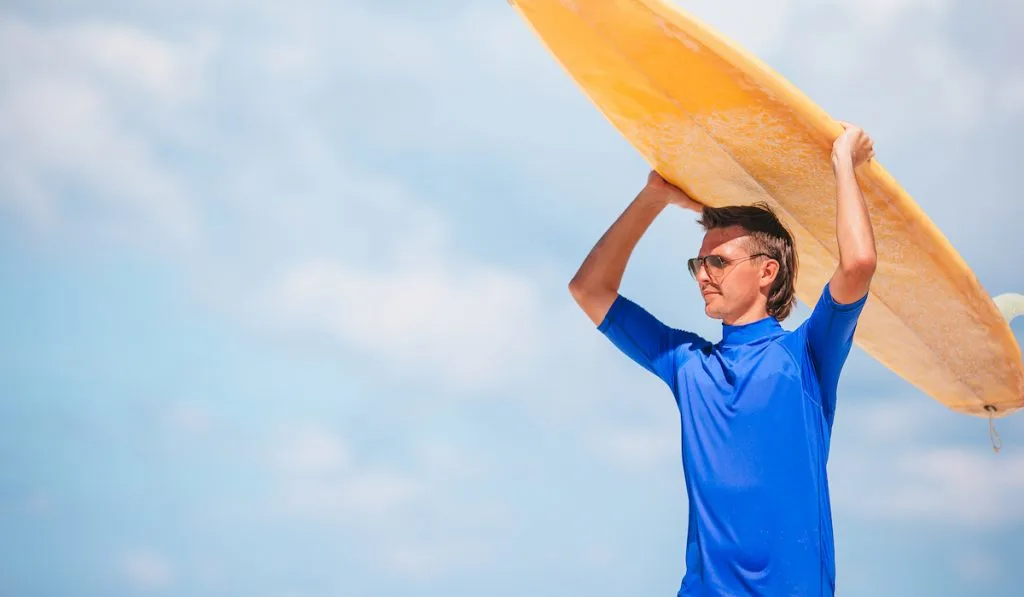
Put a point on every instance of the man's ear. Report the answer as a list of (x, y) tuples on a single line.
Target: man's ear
[(769, 271)]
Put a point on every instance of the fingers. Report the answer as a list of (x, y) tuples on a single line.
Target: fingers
[(848, 127), (860, 145)]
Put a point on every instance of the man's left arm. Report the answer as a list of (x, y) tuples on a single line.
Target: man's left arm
[(857, 257), (830, 328)]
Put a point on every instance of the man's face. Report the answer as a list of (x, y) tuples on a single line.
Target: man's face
[(731, 291)]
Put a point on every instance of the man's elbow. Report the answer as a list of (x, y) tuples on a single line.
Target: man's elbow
[(594, 300), (579, 289), (862, 266)]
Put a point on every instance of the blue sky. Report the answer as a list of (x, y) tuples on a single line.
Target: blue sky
[(287, 315)]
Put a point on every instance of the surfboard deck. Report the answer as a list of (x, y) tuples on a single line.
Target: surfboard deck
[(727, 129)]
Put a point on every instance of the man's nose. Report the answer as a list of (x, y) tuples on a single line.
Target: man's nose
[(702, 274)]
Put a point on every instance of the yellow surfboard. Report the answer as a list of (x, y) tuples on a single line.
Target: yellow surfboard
[(727, 129)]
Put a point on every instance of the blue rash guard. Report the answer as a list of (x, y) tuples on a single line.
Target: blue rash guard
[(756, 411)]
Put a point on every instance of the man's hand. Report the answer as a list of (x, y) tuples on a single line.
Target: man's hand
[(670, 193), (853, 147)]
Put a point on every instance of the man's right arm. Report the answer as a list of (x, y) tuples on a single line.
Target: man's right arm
[(596, 284)]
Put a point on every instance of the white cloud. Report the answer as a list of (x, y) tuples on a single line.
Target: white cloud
[(146, 570), (893, 420), (470, 78), (320, 479), (891, 460), (125, 58), (899, 85), (883, 15), (941, 485), (468, 326), (78, 124), (391, 504), (165, 72), (953, 92), (757, 26), (767, 27), (378, 44), (409, 519)]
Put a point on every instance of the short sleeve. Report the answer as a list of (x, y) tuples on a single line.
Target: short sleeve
[(829, 332), (646, 340)]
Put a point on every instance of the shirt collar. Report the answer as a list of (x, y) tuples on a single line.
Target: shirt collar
[(733, 335)]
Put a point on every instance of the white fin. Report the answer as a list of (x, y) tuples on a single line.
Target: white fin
[(1010, 305)]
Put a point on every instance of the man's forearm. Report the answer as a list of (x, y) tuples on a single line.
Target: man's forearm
[(853, 224), (605, 265)]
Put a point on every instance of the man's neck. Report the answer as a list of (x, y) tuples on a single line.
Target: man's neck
[(755, 314)]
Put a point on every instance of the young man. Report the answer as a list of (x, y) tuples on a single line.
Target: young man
[(756, 408)]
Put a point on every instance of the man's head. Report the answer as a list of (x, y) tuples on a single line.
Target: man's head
[(748, 258)]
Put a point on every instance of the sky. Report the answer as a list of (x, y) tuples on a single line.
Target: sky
[(286, 312)]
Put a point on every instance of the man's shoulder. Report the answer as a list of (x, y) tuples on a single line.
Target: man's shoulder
[(794, 342)]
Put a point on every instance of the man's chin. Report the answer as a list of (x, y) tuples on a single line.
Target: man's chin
[(711, 311)]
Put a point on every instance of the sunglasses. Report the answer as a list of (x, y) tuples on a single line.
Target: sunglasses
[(715, 263)]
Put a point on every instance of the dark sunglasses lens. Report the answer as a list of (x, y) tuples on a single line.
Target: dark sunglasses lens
[(715, 261), (692, 265)]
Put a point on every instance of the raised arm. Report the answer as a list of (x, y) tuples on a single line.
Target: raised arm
[(596, 284), (857, 257)]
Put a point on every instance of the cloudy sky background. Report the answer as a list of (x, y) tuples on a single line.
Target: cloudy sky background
[(286, 312)]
